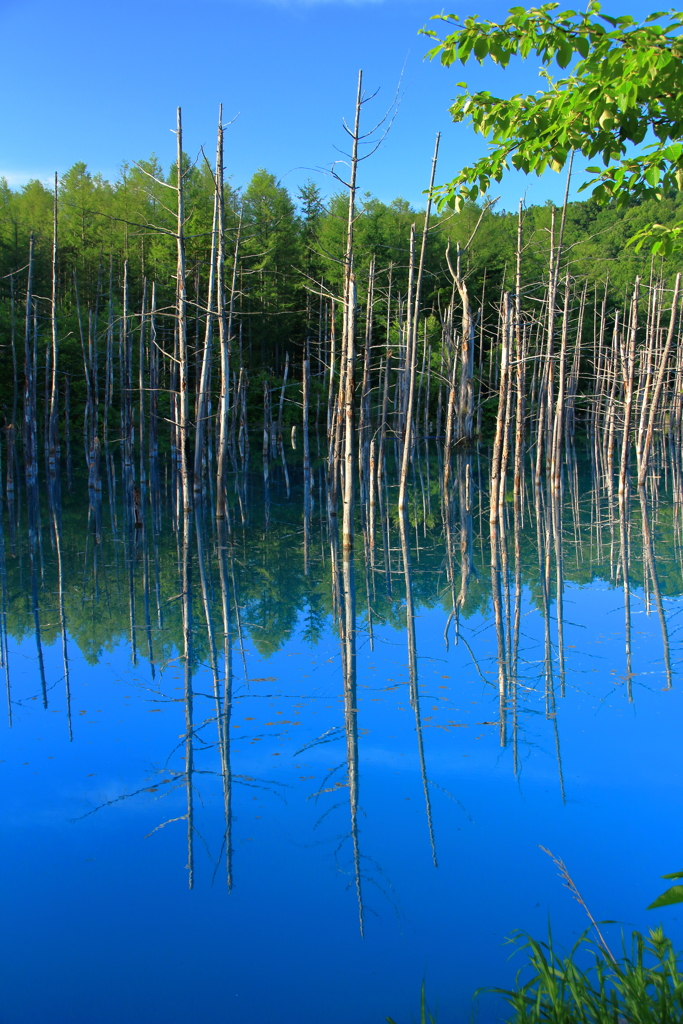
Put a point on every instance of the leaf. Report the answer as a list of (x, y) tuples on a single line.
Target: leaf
[(564, 55), (481, 47), (672, 895), (583, 46), (676, 874)]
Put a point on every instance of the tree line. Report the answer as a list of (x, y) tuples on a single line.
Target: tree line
[(286, 254)]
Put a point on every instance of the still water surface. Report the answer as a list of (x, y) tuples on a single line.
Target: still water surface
[(324, 890)]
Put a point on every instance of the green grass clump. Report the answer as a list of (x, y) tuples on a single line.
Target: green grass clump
[(644, 986)]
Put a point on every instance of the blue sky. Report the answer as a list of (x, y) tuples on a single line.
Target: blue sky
[(100, 81)]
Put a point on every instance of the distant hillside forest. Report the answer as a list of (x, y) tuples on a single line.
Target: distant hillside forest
[(284, 265)]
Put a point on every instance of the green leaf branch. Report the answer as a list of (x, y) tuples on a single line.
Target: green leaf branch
[(672, 895), (624, 90)]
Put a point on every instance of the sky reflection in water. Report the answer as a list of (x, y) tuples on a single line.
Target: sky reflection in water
[(100, 925)]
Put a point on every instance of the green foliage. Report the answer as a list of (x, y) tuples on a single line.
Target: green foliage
[(643, 987), (672, 895), (290, 264), (272, 246), (625, 87)]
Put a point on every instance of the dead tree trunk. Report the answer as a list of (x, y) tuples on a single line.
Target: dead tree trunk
[(205, 377), (413, 328), (53, 431), (181, 313), (349, 339)]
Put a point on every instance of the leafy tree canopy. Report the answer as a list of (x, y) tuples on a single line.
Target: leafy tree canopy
[(622, 103)]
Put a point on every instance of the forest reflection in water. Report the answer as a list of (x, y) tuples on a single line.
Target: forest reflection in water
[(201, 602)]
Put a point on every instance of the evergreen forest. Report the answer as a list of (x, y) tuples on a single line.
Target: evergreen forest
[(88, 280)]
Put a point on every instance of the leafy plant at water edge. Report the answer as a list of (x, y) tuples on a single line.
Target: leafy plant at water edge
[(645, 987), (642, 988)]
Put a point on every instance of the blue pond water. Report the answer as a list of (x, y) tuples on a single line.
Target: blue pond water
[(442, 862)]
